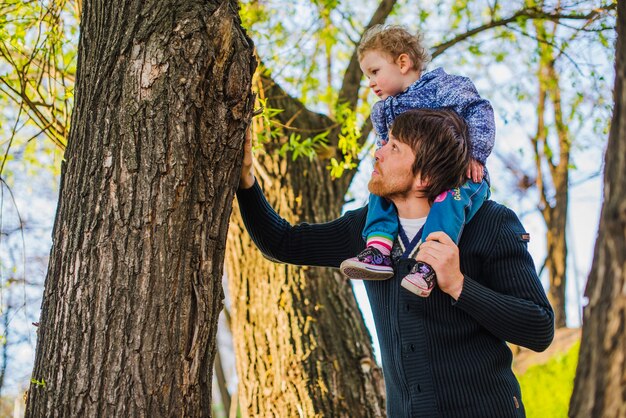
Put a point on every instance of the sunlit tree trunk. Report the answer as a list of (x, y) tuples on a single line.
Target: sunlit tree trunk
[(599, 386), (133, 290), (302, 348), (552, 163)]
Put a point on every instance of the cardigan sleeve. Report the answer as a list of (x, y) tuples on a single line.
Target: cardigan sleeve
[(324, 244), (510, 301)]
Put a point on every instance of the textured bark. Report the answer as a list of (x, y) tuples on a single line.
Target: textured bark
[(302, 348), (599, 389), (133, 290)]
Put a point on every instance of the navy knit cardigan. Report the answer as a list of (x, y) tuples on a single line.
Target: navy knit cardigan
[(440, 357)]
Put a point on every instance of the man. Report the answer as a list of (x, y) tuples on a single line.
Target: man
[(445, 355)]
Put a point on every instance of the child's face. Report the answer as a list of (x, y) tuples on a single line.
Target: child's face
[(386, 76)]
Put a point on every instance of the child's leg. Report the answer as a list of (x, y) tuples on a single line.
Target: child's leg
[(449, 213), (381, 224), (454, 208), (381, 229)]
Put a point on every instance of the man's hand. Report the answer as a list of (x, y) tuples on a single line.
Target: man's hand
[(475, 171), (443, 256), (247, 171)]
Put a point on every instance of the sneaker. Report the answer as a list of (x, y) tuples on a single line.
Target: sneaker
[(370, 264), (420, 280)]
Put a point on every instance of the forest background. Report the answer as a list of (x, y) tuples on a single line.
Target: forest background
[(546, 66)]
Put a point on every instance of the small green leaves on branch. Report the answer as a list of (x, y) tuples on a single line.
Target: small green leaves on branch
[(38, 383), (308, 147), (348, 141)]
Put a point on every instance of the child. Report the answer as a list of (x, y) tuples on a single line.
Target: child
[(393, 60)]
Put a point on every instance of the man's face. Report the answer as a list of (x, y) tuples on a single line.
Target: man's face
[(386, 77), (392, 175)]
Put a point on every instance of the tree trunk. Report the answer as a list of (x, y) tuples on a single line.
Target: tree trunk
[(302, 348), (556, 220), (553, 183), (133, 290), (599, 385)]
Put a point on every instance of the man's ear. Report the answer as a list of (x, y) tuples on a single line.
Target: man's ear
[(404, 62), (419, 183)]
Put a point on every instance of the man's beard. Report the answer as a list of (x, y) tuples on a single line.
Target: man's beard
[(388, 188)]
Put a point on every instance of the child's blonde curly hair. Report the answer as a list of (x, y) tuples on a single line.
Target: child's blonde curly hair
[(394, 40)]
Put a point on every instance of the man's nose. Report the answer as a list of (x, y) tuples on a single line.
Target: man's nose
[(378, 154)]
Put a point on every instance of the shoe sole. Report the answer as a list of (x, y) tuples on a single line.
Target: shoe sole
[(362, 271), (408, 285)]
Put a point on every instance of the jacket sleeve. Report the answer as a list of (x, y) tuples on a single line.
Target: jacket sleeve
[(325, 244), (379, 121), (460, 94), (511, 303)]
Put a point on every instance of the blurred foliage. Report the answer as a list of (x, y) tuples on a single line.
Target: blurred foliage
[(547, 388), (37, 67)]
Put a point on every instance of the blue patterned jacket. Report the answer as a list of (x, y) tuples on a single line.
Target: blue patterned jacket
[(437, 89)]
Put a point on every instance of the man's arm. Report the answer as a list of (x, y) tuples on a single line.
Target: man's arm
[(326, 244), (514, 306)]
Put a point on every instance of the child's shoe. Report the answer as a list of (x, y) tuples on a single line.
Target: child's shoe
[(420, 280), (370, 264)]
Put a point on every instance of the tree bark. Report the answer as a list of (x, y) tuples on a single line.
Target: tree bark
[(599, 385), (133, 290), (302, 348)]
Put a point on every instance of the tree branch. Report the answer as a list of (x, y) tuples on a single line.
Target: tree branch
[(295, 114), (527, 13)]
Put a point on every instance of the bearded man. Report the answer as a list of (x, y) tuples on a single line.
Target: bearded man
[(445, 355)]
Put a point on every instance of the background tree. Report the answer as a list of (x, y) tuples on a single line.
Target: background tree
[(133, 290), (599, 385), (560, 111)]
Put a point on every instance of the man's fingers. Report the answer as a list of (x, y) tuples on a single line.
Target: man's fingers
[(440, 236), (247, 148), (246, 179), (428, 255)]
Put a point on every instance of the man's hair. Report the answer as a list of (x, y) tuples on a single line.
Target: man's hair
[(394, 40), (442, 151)]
